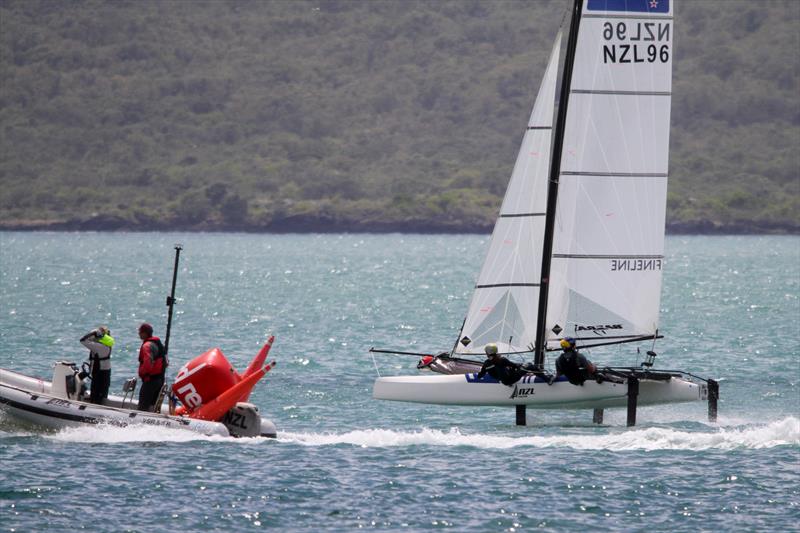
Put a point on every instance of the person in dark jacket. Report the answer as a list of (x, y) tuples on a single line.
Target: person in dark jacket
[(152, 367), (573, 364), (99, 341), (500, 368)]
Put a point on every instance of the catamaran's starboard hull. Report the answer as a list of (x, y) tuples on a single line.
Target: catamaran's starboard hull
[(532, 392)]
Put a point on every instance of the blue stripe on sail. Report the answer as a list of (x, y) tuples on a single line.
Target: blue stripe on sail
[(639, 6)]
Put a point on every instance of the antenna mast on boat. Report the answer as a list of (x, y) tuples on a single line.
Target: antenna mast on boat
[(552, 188), (171, 297)]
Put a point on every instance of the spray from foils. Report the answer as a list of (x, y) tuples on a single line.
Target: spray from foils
[(784, 432)]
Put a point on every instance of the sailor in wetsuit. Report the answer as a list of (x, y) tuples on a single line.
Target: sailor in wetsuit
[(500, 368), (574, 365)]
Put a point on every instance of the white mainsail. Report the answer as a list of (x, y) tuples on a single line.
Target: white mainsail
[(504, 305), (608, 241)]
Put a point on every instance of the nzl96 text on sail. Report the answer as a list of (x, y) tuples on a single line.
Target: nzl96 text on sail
[(631, 42)]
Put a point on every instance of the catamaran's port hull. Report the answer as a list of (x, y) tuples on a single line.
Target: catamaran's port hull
[(534, 393)]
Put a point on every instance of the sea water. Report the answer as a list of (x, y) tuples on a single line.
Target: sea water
[(343, 461)]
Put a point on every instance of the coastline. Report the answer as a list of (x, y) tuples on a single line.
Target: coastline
[(311, 224)]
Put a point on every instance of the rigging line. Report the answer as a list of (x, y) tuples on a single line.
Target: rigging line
[(497, 285), (374, 362), (395, 352)]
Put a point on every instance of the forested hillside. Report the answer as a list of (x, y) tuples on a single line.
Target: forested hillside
[(357, 115)]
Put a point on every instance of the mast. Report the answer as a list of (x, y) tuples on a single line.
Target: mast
[(552, 188), (171, 297)]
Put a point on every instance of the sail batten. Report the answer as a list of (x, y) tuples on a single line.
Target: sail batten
[(621, 93), (616, 174)]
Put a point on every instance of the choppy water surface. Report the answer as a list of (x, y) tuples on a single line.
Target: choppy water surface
[(344, 461)]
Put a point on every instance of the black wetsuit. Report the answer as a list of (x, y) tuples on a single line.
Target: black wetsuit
[(503, 370), (574, 365)]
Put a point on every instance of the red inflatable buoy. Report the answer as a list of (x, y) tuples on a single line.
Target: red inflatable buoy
[(204, 378), (208, 386)]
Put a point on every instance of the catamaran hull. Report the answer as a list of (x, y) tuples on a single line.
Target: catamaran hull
[(533, 392)]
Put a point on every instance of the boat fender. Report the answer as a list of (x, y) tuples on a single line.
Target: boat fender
[(243, 420), (268, 429)]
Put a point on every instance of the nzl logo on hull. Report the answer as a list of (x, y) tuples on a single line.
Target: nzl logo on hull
[(521, 392)]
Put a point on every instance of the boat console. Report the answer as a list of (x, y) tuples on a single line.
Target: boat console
[(68, 382)]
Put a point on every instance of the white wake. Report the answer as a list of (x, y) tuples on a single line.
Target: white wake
[(784, 432)]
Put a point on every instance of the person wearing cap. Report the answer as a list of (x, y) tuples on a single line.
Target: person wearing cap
[(99, 341), (573, 364), (152, 367), (500, 368)]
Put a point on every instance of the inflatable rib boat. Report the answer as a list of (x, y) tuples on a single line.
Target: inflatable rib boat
[(213, 396)]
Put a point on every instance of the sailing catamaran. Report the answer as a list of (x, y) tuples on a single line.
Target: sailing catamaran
[(578, 248)]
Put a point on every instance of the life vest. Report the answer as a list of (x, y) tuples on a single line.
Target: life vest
[(99, 351), (572, 369), (160, 353)]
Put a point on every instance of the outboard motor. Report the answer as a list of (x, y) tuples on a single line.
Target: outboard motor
[(67, 382), (243, 420)]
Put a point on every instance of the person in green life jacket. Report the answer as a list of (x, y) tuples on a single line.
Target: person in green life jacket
[(152, 368), (99, 342)]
